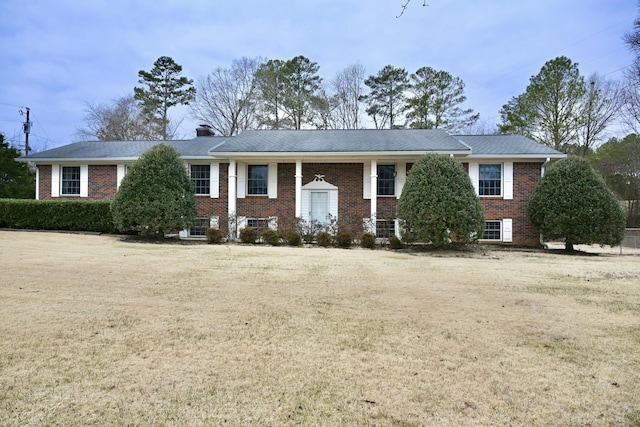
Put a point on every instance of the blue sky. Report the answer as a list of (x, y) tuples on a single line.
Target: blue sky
[(57, 56)]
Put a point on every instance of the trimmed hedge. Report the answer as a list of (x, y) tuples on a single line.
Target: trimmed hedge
[(69, 215)]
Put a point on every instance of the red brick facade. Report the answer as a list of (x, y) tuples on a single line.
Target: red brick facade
[(352, 206)]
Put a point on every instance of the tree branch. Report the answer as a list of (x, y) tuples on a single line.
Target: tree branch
[(404, 7)]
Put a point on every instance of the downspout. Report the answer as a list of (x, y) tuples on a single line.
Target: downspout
[(542, 170)]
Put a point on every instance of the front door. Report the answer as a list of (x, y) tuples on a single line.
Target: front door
[(319, 206)]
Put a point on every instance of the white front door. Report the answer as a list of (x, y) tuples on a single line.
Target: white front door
[(319, 206)]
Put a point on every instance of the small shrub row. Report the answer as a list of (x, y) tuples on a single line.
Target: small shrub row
[(68, 215)]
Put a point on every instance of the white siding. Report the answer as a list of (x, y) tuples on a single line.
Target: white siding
[(304, 204), (333, 203)]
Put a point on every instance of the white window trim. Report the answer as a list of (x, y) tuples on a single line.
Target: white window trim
[(214, 222), (243, 182), (506, 176), (56, 181), (506, 231)]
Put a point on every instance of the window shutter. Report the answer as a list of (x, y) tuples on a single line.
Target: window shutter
[(214, 180), (214, 222), (55, 180), (507, 230), (84, 181), (401, 177), (241, 180), (507, 170), (242, 222), (366, 179), (273, 222), (121, 170), (272, 186), (474, 174)]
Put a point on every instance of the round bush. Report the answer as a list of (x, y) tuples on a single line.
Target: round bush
[(395, 243), (215, 235), (439, 203), (344, 239), (323, 239), (248, 235), (270, 237), (293, 238), (368, 240)]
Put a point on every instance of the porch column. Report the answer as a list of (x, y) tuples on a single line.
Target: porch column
[(374, 194), (233, 195), (298, 188)]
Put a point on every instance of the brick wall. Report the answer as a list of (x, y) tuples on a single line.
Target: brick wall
[(208, 207), (103, 180), (526, 177), (348, 177), (44, 174)]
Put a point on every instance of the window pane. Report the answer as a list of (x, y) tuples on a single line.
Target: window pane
[(491, 230), (200, 177), (199, 227), (386, 180), (257, 179), (490, 181), (385, 228), (70, 180), (258, 224)]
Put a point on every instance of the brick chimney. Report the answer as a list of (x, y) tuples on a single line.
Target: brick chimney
[(204, 130)]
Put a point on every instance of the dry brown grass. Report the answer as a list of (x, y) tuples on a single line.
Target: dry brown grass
[(98, 331)]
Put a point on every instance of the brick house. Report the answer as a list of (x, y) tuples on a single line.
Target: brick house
[(279, 178)]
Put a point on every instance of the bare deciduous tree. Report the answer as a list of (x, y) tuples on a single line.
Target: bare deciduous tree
[(600, 107), (226, 98), (123, 120), (347, 87)]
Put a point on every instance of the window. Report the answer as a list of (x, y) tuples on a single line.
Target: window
[(491, 230), (199, 227), (257, 179), (201, 178), (258, 224), (490, 180), (70, 183), (385, 228), (386, 180)]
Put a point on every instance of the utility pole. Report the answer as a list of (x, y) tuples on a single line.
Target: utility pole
[(26, 127)]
